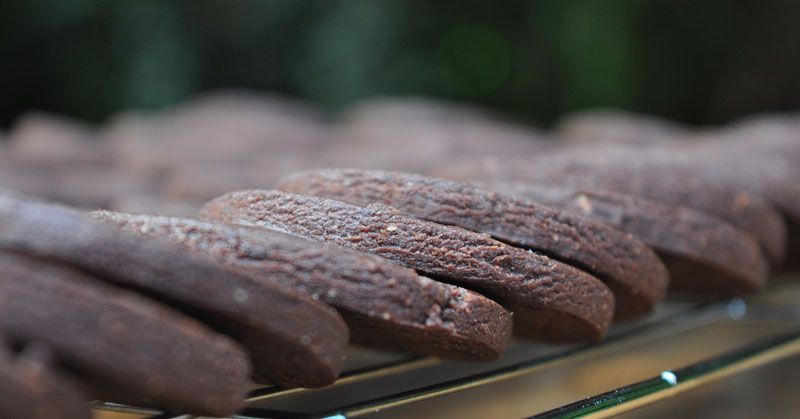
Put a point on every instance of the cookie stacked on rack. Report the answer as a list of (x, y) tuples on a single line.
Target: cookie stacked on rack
[(138, 320), (214, 264)]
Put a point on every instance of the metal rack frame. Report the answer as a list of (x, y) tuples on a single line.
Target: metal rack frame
[(668, 383)]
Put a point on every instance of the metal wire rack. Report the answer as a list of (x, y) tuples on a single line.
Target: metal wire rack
[(680, 347)]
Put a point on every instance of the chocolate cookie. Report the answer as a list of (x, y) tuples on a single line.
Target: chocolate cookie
[(631, 269), (125, 347), (256, 128), (83, 186), (645, 175), (50, 140), (595, 126), (763, 159), (415, 134), (384, 304), (292, 339), (31, 387), (703, 253), (550, 300)]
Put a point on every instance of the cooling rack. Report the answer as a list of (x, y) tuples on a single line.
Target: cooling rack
[(680, 348)]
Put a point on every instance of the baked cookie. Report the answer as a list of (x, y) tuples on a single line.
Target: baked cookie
[(763, 158), (32, 388), (293, 339), (415, 134), (614, 126), (643, 174), (49, 140), (384, 304), (257, 128), (87, 186), (126, 348), (550, 300), (703, 253), (631, 269)]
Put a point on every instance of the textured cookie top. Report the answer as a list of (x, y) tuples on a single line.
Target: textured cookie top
[(711, 255), (121, 343), (293, 339), (523, 281), (630, 268), (362, 286), (664, 179)]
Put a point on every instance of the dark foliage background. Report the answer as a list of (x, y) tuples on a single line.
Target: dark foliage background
[(696, 61)]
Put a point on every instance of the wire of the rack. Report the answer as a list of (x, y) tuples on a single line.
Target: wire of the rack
[(362, 374), (669, 383), (122, 408), (686, 318), (701, 313), (272, 392)]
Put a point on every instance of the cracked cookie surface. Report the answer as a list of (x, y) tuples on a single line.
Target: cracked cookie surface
[(292, 339), (540, 291), (629, 267), (384, 304)]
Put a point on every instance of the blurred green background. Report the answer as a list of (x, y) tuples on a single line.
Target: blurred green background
[(695, 61)]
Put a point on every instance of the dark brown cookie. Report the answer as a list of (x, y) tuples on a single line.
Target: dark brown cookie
[(258, 129), (763, 158), (125, 347), (631, 269), (649, 175), (383, 303), (550, 300), (293, 339), (415, 134), (52, 140), (616, 126), (703, 253), (32, 388), (83, 186)]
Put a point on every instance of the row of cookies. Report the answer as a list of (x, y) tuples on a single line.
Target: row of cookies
[(182, 314), (698, 242), (434, 226), (143, 321), (180, 157), (174, 160), (702, 233), (699, 197), (750, 186), (249, 297), (565, 248)]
